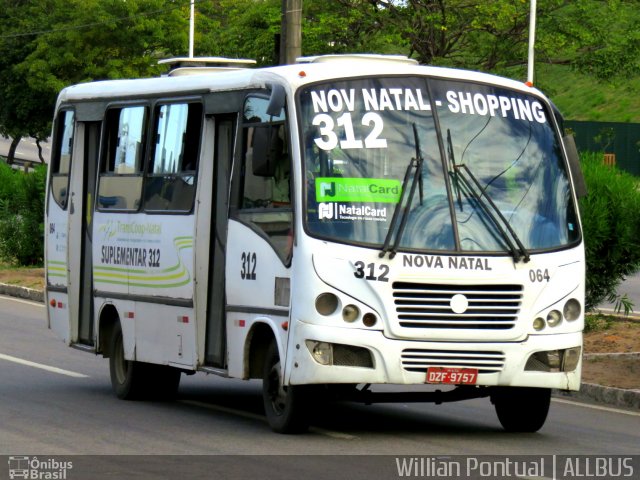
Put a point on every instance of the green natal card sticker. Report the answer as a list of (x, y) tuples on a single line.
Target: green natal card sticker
[(374, 190)]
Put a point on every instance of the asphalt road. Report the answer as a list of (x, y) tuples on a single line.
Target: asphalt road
[(630, 287), (27, 149), (57, 401)]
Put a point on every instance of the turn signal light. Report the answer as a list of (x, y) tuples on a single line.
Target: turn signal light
[(369, 319)]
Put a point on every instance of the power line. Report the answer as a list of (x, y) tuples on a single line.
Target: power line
[(94, 24)]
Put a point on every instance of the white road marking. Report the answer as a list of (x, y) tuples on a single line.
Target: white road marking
[(262, 418), (332, 434), (219, 408), (596, 407), (19, 300), (42, 366)]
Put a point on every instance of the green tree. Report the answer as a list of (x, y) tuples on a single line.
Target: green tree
[(23, 111), (249, 29), (599, 37), (238, 29), (337, 27), (611, 228), (106, 39), (22, 215), (46, 45)]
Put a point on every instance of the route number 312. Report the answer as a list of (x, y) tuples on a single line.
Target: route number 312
[(368, 272), (248, 265)]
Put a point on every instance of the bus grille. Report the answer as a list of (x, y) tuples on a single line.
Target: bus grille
[(419, 359), (423, 305)]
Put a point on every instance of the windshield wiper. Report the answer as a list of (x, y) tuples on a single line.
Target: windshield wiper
[(494, 213), (415, 179), (453, 172)]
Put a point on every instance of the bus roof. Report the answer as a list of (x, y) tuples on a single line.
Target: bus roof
[(310, 70)]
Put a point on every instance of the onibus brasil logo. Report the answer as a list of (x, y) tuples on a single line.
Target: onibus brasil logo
[(38, 469)]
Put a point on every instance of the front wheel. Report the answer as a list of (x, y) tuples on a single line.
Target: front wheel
[(286, 407), (521, 409)]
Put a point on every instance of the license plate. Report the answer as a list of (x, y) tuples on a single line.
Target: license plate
[(453, 376)]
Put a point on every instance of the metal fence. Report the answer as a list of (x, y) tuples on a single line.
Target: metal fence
[(619, 142)]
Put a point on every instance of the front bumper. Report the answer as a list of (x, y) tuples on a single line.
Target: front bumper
[(390, 367)]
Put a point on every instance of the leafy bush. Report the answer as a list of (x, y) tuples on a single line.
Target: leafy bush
[(22, 197), (611, 223), (598, 322)]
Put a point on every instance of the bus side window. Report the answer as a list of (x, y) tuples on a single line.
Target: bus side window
[(120, 184), (170, 182), (265, 200), (61, 162)]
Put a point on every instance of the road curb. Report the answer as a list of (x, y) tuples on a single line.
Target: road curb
[(618, 397), (22, 292), (623, 355)]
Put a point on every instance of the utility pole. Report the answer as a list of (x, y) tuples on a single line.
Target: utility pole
[(191, 27), (532, 40), (291, 31)]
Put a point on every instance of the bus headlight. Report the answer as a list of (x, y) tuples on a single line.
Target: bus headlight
[(538, 324), (554, 318), (572, 309), (326, 304), (350, 313)]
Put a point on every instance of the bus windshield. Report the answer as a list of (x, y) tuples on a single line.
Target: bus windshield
[(486, 162)]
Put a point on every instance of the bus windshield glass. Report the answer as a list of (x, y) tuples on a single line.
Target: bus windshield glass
[(487, 166)]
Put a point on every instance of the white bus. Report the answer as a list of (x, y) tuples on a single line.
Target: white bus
[(328, 227)]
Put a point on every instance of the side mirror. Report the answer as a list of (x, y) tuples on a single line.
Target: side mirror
[(276, 100), (574, 165), (268, 148)]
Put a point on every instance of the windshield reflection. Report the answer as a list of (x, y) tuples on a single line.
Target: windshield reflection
[(358, 139)]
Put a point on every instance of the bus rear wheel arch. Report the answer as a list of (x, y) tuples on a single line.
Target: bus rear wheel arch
[(133, 380)]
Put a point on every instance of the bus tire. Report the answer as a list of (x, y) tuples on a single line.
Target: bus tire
[(127, 376), (163, 381), (286, 407), (521, 409)]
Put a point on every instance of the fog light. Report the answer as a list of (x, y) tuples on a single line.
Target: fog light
[(538, 324), (554, 318), (547, 361), (369, 319), (321, 351), (326, 304), (553, 359), (572, 309), (570, 359), (350, 313)]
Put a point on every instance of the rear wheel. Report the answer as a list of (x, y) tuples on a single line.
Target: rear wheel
[(163, 381), (286, 407), (522, 409), (133, 380)]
